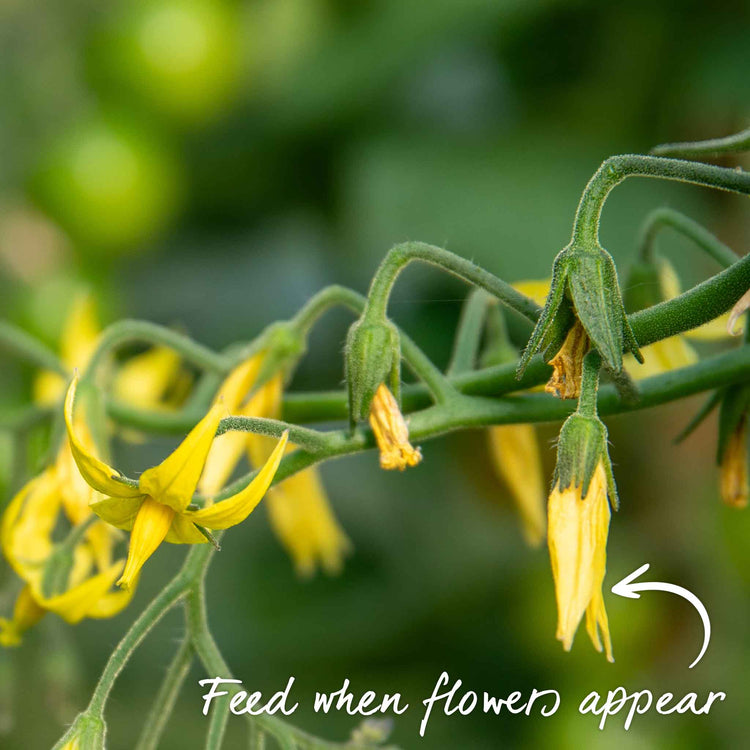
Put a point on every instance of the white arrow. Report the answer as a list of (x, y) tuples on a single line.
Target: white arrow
[(628, 588)]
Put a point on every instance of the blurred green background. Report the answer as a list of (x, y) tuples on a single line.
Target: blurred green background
[(211, 164)]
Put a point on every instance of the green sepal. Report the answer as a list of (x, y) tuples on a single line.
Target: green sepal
[(594, 289), (373, 356), (541, 333), (284, 345), (710, 404), (733, 409), (582, 445), (88, 732)]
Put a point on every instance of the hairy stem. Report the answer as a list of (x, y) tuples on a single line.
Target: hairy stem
[(667, 217), (618, 168), (712, 147), (164, 703)]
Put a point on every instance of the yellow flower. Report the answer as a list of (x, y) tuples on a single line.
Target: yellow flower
[(152, 380), (303, 520), (298, 508), (157, 508), (515, 455), (73, 586), (26, 613), (733, 469), (79, 338), (391, 432), (577, 537)]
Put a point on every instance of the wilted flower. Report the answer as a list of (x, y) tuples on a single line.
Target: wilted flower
[(391, 432), (585, 288)]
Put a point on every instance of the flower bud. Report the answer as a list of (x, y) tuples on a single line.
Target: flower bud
[(87, 733), (584, 280), (373, 357), (732, 448), (581, 447)]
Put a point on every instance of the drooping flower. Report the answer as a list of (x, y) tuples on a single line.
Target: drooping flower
[(515, 456), (391, 432), (578, 514), (69, 579), (578, 528), (733, 468), (298, 508), (157, 507)]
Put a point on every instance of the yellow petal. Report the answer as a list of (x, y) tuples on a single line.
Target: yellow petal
[(228, 449), (515, 455), (28, 523), (183, 531), (151, 526), (303, 520), (111, 604), (266, 402), (95, 472), (47, 388), (79, 338), (26, 613), (239, 382), (537, 289), (119, 512), (596, 621), (76, 603), (237, 508), (660, 357), (174, 480), (143, 381), (391, 432), (81, 333), (577, 539)]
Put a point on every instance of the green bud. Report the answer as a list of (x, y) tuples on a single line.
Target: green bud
[(581, 446), (733, 409), (584, 282), (86, 733), (373, 356)]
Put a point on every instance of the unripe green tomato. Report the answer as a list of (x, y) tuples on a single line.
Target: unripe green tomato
[(180, 57), (110, 185)]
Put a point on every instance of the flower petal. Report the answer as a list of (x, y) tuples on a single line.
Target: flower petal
[(174, 480), (237, 508), (119, 512), (183, 531), (28, 521), (77, 602), (303, 520), (151, 526), (100, 476)]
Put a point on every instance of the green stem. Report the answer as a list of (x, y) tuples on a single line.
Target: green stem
[(164, 601), (667, 217), (592, 363), (140, 332), (24, 345), (618, 168), (715, 146), (469, 332), (166, 698), (400, 256)]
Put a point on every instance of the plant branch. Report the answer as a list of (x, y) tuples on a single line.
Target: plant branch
[(667, 217), (712, 147)]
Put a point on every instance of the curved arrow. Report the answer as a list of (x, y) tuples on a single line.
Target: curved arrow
[(628, 588)]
